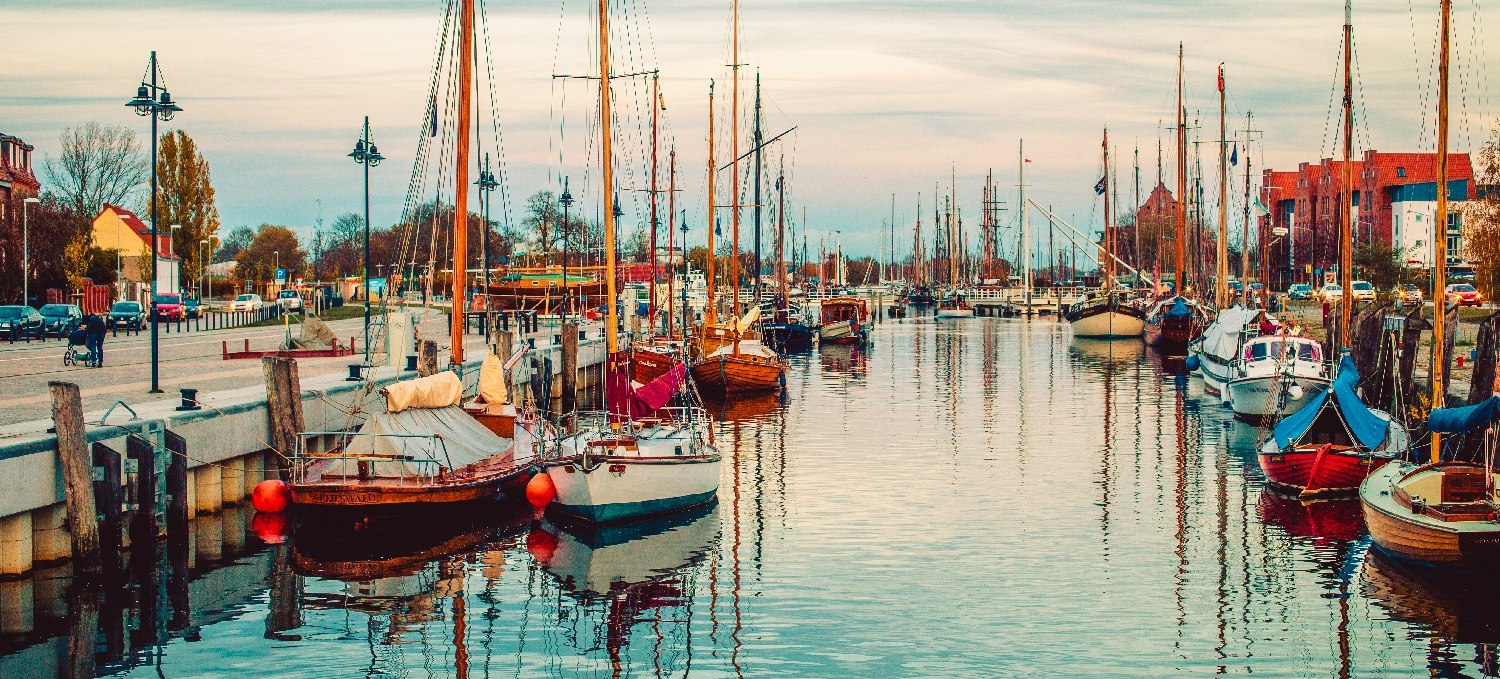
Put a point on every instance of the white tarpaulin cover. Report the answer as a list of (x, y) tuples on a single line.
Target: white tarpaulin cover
[(448, 435), (1221, 339), (433, 391)]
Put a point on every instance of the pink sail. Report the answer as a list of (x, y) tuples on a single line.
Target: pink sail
[(629, 402)]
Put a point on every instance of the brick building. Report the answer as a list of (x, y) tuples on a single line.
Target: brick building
[(1306, 203), (17, 183)]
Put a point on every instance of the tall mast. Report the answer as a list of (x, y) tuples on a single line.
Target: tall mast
[(1346, 192), (1245, 237), (1222, 289), (891, 259), (916, 246), (734, 134), (1135, 211), (710, 308), (607, 185), (671, 236), (1109, 236), (1177, 274), (953, 252), (461, 182), (781, 233), (656, 106), (1021, 253), (1440, 233), (756, 141)]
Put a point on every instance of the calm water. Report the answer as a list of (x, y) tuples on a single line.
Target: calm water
[(978, 498)]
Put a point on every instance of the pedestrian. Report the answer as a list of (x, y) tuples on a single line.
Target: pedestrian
[(94, 325)]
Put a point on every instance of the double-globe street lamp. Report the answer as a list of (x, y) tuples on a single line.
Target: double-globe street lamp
[(566, 201), (152, 99), (487, 185), (367, 155)]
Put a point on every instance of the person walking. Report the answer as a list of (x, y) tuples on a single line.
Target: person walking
[(94, 326)]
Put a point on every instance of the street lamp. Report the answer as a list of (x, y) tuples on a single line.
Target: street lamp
[(566, 201), (367, 155), (487, 186), (153, 100), (26, 248)]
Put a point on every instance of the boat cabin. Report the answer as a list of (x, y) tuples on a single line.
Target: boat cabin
[(1278, 348), (841, 309)]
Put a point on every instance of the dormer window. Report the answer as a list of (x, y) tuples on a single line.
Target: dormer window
[(1401, 173)]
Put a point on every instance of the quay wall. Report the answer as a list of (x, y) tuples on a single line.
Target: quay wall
[(228, 446)]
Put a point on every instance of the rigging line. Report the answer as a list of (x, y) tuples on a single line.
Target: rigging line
[(1411, 14), (1362, 123), (1465, 76), (1333, 88)]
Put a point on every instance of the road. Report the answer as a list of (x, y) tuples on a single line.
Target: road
[(188, 359)]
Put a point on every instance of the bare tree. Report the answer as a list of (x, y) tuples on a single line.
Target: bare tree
[(99, 164)]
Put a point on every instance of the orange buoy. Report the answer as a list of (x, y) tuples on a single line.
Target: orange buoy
[(541, 544), (540, 491), (270, 527), (271, 495)]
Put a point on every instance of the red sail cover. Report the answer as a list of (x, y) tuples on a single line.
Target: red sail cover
[(626, 402)]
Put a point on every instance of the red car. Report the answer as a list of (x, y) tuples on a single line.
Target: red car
[(1464, 294), (169, 307)]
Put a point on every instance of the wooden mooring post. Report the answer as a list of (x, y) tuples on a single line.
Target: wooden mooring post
[(108, 504), (78, 479), (177, 494), (283, 408), (569, 367), (427, 358)]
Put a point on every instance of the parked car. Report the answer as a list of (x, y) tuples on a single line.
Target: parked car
[(289, 300), (1299, 291), (1362, 291), (168, 307), (1463, 294), (247, 302), (1409, 294), (22, 321), (128, 315), (61, 319), (1331, 293), (191, 307)]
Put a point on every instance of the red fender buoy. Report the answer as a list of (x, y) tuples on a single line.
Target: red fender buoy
[(271, 495), (540, 491)]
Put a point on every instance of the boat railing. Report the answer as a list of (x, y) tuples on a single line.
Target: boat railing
[(425, 462)]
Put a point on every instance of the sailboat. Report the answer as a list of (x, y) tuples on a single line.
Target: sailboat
[(423, 451), (786, 331), (1108, 312), (641, 457), (952, 303), (1273, 374), (1178, 318), (731, 357), (1443, 512)]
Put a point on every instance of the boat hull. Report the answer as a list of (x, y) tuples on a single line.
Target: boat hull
[(787, 337), (1256, 398), (842, 332), (1107, 324), (738, 373), (625, 488), (649, 365), (332, 499), (1398, 530), (1311, 470), (1171, 334), (958, 312)]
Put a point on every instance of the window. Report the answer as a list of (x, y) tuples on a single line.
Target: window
[(1401, 172)]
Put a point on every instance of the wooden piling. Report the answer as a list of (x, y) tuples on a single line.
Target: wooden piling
[(1482, 382), (83, 631), (569, 367), (283, 408), (1450, 330), (78, 478), (177, 488), (143, 527), (427, 358), (108, 503)]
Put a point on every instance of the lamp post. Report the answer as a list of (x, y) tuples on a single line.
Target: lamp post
[(26, 249), (176, 286), (487, 186), (153, 100), (203, 270), (566, 201), (367, 155)]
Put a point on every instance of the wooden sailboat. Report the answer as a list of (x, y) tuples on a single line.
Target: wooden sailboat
[(640, 458), (1177, 319), (952, 303), (731, 358), (424, 452), (1442, 512), (1108, 312), (786, 331)]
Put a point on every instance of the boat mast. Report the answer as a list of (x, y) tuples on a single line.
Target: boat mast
[(461, 184), (781, 235), (953, 229), (1025, 223), (1177, 275), (607, 184), (710, 308), (1346, 192), (916, 246), (756, 141), (1245, 236), (734, 134), (1440, 234), (1221, 290), (656, 106), (1109, 236)]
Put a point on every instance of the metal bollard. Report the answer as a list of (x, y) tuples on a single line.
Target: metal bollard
[(189, 399), (356, 372)]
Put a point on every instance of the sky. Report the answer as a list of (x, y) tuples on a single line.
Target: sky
[(889, 98)]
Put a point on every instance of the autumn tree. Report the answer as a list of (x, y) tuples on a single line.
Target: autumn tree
[(1481, 219), (55, 250), (272, 243), (186, 196), (97, 164), (238, 240)]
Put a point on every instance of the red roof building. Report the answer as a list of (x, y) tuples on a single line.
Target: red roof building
[(17, 181)]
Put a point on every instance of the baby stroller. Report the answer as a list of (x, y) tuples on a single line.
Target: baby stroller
[(78, 351)]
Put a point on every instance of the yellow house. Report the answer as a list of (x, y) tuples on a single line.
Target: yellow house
[(116, 228)]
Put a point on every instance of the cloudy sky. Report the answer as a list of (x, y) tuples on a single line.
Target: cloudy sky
[(888, 97)]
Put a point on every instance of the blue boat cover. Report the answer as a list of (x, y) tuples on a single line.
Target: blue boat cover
[(1369, 430), (1467, 418), (1179, 309)]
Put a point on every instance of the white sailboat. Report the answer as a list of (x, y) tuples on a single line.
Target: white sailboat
[(1108, 312), (639, 458), (1275, 376), (1220, 345)]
